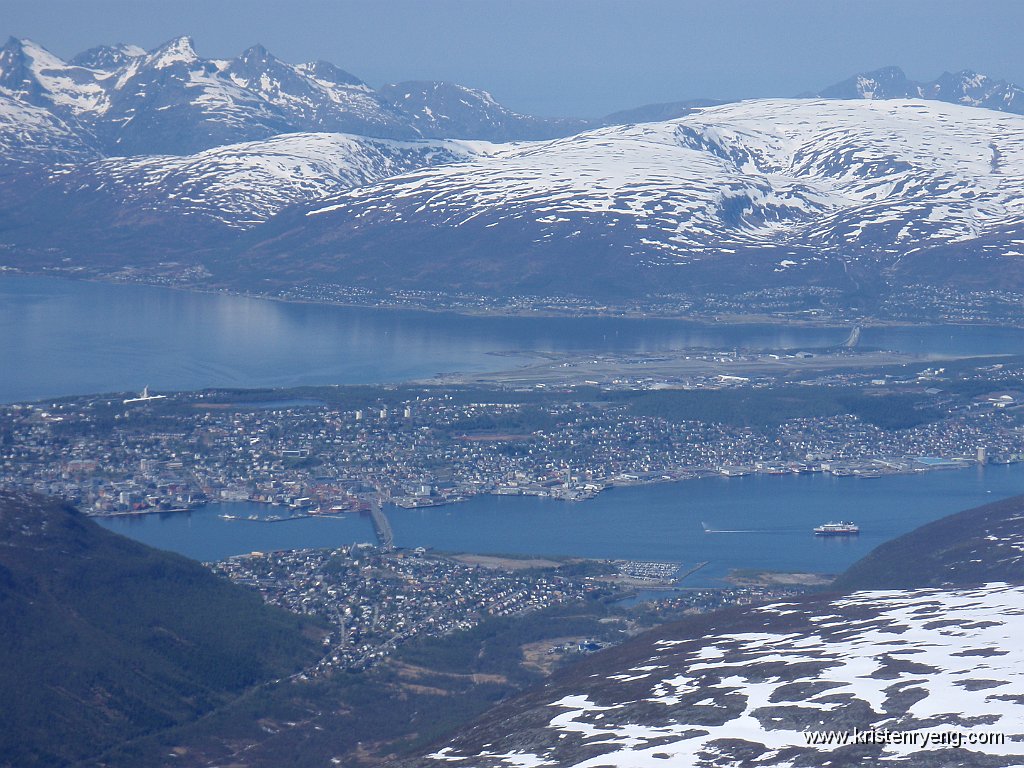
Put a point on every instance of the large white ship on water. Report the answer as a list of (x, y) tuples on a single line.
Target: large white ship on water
[(837, 529)]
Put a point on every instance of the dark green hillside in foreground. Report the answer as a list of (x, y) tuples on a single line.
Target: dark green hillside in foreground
[(977, 546), (104, 639)]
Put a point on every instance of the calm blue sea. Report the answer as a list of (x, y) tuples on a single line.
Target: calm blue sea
[(63, 337), (765, 522)]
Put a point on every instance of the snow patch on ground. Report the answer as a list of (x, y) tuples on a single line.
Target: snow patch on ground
[(956, 651)]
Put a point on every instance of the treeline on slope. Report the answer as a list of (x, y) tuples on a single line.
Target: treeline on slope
[(104, 639)]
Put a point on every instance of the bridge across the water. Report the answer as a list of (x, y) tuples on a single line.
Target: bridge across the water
[(381, 524)]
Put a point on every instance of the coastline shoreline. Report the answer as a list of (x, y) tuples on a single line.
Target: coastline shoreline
[(609, 313)]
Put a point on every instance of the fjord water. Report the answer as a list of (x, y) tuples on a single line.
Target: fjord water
[(64, 337), (761, 522)]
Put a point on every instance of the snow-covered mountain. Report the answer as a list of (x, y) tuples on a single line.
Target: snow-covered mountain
[(171, 101), (800, 192), (319, 96), (241, 185), (965, 87), (794, 190), (33, 75), (127, 101), (104, 57), (136, 211), (844, 194), (166, 101)]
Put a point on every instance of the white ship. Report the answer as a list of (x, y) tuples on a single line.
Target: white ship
[(837, 529)]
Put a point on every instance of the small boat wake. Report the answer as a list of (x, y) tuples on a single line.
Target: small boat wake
[(747, 530)]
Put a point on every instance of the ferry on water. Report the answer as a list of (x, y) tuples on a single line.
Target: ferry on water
[(837, 529)]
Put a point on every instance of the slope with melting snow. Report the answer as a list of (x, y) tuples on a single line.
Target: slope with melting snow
[(31, 134), (841, 176), (244, 184), (30, 73), (923, 661)]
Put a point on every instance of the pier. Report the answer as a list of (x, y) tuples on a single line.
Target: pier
[(692, 571)]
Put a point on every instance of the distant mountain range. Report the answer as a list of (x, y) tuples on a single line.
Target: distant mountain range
[(258, 174), (749, 687), (843, 195), (126, 101), (968, 88), (123, 100)]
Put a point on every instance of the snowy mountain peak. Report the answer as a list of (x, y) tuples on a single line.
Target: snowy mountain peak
[(257, 54), (12, 48), (32, 74), (259, 70), (27, 55), (38, 54), (108, 58), (179, 50), (15, 76)]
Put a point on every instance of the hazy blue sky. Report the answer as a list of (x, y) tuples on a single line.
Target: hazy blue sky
[(566, 57)]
